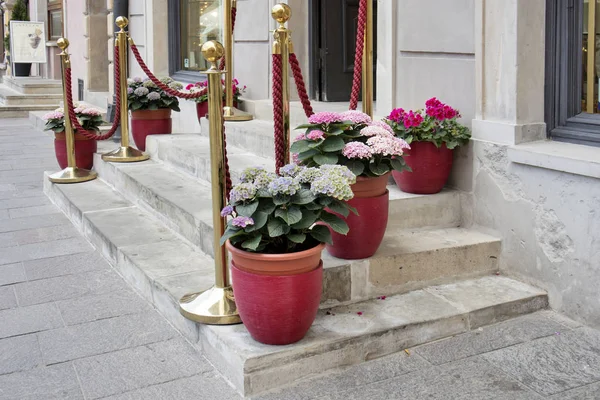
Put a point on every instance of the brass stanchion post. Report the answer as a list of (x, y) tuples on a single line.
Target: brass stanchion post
[(282, 13), (215, 306), (367, 61), (71, 174), (230, 113), (125, 153)]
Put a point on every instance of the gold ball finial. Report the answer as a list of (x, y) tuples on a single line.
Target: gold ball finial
[(122, 22), (212, 51), (62, 43), (281, 13)]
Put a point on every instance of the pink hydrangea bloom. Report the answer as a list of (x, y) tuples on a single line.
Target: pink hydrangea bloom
[(354, 150), (315, 135), (300, 137), (383, 125), (91, 111), (295, 158), (54, 115), (387, 146), (374, 130), (325, 117), (357, 117)]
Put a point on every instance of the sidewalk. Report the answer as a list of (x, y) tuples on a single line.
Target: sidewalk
[(71, 328)]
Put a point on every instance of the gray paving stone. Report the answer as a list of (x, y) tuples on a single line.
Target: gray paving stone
[(64, 265), (68, 286), (12, 273), (489, 338), (19, 353), (95, 307), (20, 224), (32, 211), (22, 320), (24, 202), (553, 364), (30, 236), (199, 387), (353, 377), (25, 178), (36, 251), (589, 392), (4, 214), (57, 382), (126, 370), (471, 379), (103, 336), (7, 297)]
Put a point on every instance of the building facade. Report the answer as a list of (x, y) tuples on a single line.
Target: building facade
[(522, 72)]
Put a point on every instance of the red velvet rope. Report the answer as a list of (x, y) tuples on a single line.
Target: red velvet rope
[(75, 123), (360, 41), (233, 16), (280, 152), (297, 71)]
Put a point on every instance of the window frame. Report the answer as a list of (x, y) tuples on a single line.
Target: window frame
[(54, 6), (565, 120)]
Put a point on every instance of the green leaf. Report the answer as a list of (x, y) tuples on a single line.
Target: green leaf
[(357, 167), (323, 159), (277, 228), (332, 144), (307, 154), (321, 234), (303, 196), (252, 243), (339, 207), (379, 169), (266, 205), (247, 209), (398, 164), (336, 223), (260, 219), (281, 199), (304, 126), (300, 146), (452, 144), (335, 132), (229, 233), (291, 216), (297, 237), (308, 219)]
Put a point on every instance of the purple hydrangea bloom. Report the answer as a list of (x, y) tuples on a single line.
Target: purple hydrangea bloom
[(137, 79), (153, 96), (226, 211), (129, 90), (242, 222), (290, 170), (284, 185), (242, 192), (141, 91)]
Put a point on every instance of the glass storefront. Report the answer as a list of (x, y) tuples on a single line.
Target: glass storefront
[(201, 21)]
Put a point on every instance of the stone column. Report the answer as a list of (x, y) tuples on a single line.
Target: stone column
[(510, 62), (95, 56)]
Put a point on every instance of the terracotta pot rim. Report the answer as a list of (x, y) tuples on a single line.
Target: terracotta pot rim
[(321, 265), (364, 178), (274, 257), (160, 113), (78, 136)]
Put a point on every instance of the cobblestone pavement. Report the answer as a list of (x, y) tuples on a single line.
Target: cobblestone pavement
[(71, 328)]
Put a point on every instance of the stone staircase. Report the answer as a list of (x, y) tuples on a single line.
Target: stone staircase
[(431, 278), (19, 96)]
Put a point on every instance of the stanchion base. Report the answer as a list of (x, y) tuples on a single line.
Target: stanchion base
[(125, 154), (73, 175), (233, 114), (215, 306)]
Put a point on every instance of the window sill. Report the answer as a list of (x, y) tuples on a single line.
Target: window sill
[(564, 157)]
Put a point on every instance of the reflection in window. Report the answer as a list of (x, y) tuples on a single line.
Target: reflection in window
[(201, 21), (55, 19)]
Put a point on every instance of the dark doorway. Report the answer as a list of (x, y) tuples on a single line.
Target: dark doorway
[(332, 47)]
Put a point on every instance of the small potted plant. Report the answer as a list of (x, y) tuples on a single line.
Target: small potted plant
[(90, 119), (202, 101), (433, 135), (371, 151), (150, 108), (276, 235)]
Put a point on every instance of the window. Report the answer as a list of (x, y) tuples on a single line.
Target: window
[(192, 23), (573, 70), (55, 20)]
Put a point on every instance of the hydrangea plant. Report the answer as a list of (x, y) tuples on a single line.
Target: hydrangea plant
[(352, 139), (202, 86), (438, 124), (143, 94), (285, 213), (89, 118)]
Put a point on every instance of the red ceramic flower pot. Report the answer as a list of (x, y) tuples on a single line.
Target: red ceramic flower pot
[(277, 303), (150, 122), (202, 109), (431, 167), (84, 150), (367, 229)]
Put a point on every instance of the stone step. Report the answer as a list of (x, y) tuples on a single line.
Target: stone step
[(23, 111), (33, 85), (409, 258), (10, 97), (163, 267)]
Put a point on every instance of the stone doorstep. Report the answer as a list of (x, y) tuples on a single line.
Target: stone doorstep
[(163, 267), (32, 85), (10, 97), (23, 111)]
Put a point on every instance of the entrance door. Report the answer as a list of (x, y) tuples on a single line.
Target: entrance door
[(333, 42)]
